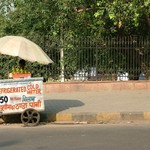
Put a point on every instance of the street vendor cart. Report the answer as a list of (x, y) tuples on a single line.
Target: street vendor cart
[(22, 96)]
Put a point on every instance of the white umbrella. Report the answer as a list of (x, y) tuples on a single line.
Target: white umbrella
[(23, 48)]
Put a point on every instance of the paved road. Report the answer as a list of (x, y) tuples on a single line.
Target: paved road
[(76, 137)]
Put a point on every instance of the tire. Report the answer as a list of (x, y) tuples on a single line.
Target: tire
[(30, 117)]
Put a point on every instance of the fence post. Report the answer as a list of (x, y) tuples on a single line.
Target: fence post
[(96, 62), (62, 64), (62, 54)]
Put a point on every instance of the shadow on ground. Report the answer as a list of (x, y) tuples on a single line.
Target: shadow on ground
[(8, 143), (58, 105), (12, 118), (54, 106)]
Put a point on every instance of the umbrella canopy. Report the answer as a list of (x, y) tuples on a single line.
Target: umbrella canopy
[(23, 48)]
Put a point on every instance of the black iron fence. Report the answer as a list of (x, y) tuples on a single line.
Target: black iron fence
[(104, 58)]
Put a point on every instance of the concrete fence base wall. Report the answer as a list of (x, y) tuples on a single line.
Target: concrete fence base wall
[(95, 86)]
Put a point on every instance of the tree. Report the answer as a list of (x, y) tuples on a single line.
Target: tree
[(53, 24), (125, 17)]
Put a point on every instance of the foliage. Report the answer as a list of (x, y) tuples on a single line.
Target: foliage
[(50, 23), (125, 17), (74, 18)]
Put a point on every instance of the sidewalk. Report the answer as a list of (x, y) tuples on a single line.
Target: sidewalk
[(97, 107)]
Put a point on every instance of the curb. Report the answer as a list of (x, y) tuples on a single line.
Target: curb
[(102, 117), (93, 118)]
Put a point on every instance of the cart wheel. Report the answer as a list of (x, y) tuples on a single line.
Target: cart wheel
[(30, 117)]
